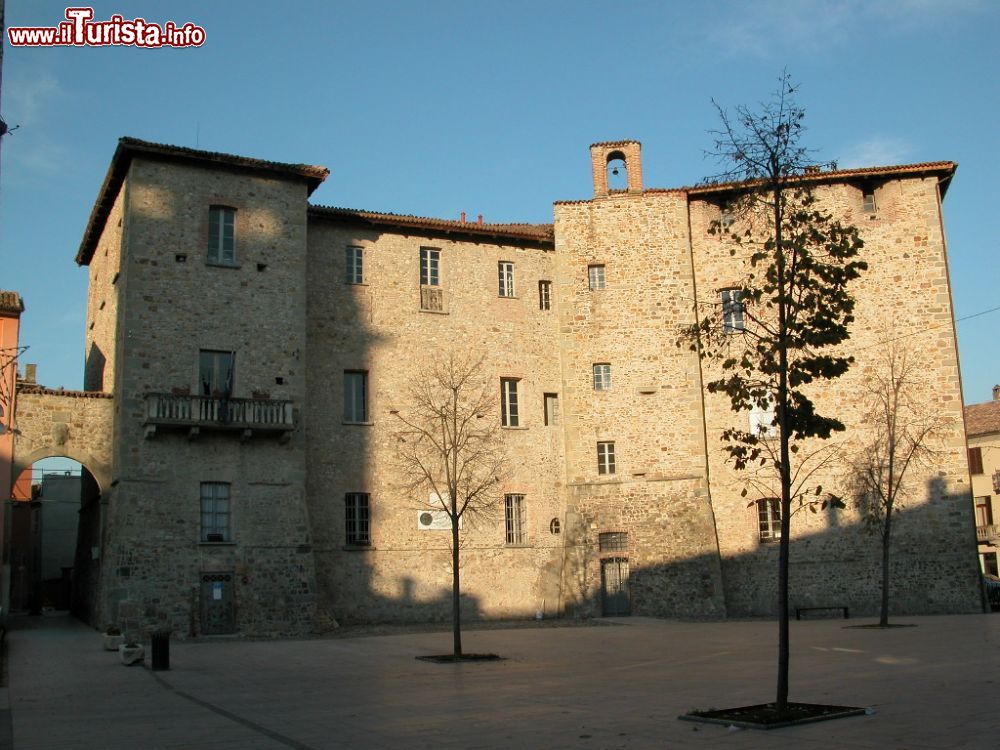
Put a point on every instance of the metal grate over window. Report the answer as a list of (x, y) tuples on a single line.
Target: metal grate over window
[(613, 541)]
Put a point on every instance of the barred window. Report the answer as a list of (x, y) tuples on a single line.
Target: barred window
[(544, 295), (215, 512), (596, 278), (514, 520), (357, 519), (613, 541), (769, 518)]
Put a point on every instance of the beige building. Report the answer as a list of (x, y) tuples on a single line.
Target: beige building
[(982, 425), (255, 346)]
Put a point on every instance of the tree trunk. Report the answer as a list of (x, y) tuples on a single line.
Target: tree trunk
[(456, 589), (884, 617), (781, 697)]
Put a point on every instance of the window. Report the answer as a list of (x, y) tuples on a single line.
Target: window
[(975, 460), (544, 295), (868, 201), (990, 563), (214, 512), (732, 310), (551, 409), (595, 276), (357, 519), (602, 376), (215, 373), (613, 541), (606, 458), (508, 402), (984, 511), (514, 519), (769, 519), (505, 269), (430, 267), (354, 265), (221, 235), (762, 421), (355, 396)]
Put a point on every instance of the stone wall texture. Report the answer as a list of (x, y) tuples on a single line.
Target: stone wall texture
[(673, 505)]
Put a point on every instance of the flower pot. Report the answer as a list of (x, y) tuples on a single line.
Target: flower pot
[(112, 642), (131, 654)]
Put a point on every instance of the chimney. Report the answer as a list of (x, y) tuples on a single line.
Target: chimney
[(480, 219), (463, 217), (29, 374), (996, 393)]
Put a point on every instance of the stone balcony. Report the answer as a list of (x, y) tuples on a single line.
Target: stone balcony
[(193, 414), (988, 534)]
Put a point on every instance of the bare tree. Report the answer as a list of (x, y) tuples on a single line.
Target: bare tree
[(772, 337), (450, 450), (901, 432)]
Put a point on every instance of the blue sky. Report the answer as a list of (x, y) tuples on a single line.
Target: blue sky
[(434, 108)]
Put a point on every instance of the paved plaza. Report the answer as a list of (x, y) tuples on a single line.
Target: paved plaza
[(618, 684)]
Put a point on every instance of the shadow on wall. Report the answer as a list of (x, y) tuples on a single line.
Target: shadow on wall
[(840, 566), (93, 377)]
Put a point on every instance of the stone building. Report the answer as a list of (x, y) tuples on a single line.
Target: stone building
[(255, 345), (982, 425)]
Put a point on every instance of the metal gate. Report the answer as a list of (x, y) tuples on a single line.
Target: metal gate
[(218, 606), (614, 587)]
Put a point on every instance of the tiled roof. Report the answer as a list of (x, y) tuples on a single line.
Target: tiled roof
[(11, 302), (540, 233), (981, 419), (129, 147), (626, 142), (32, 388), (944, 168)]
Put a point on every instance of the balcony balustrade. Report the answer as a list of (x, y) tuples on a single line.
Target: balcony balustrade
[(196, 413), (990, 533)]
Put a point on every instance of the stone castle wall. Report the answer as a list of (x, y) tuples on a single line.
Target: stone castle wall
[(904, 295), (285, 308), (174, 304), (379, 327)]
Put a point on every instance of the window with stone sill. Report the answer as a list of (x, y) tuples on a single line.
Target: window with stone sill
[(354, 265), (505, 271), (514, 520), (355, 396), (222, 235), (769, 519), (357, 519), (215, 512), (606, 457)]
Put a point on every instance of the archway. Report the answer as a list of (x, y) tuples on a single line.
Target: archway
[(55, 522)]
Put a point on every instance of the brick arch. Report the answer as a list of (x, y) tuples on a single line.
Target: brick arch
[(74, 424)]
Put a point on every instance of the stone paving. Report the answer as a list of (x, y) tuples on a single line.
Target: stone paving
[(618, 685)]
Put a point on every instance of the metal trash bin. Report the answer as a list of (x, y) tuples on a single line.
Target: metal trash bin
[(160, 648)]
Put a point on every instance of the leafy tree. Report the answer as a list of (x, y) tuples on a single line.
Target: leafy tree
[(451, 451), (900, 439), (778, 334)]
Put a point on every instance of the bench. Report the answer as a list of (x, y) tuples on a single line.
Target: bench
[(800, 610)]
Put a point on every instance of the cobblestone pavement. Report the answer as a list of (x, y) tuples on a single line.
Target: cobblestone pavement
[(593, 688)]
